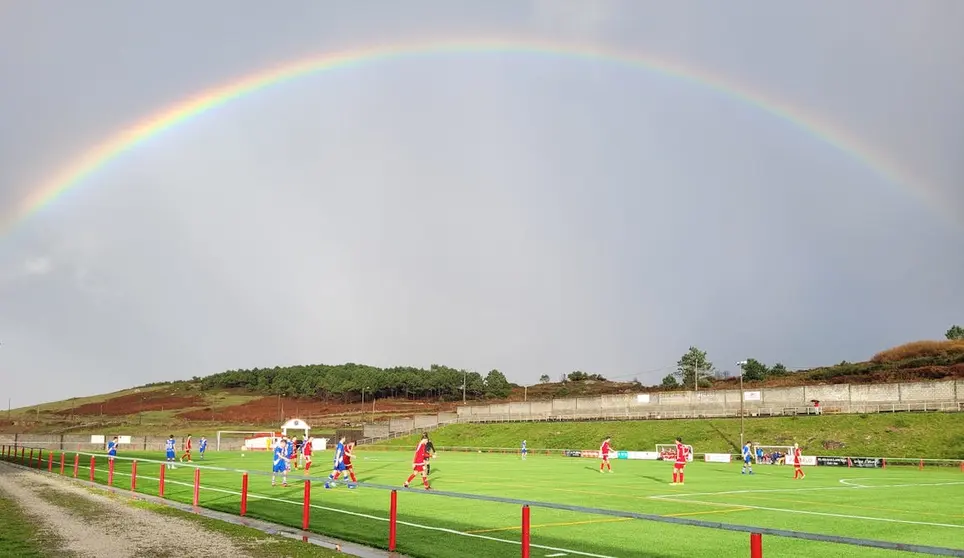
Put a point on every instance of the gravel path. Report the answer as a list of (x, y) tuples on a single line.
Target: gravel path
[(105, 527)]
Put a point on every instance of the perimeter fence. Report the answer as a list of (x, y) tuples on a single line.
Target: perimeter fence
[(408, 514)]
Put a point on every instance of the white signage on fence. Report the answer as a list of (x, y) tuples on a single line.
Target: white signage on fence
[(96, 439), (752, 396), (804, 460), (717, 457), (123, 439), (652, 455), (642, 398)]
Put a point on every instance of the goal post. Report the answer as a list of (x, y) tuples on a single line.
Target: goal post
[(768, 452), (667, 452), (249, 435)]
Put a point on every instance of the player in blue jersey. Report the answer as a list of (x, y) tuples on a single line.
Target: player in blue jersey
[(171, 447), (747, 458), (339, 464), (202, 446), (112, 449), (290, 452), (525, 451), (280, 463)]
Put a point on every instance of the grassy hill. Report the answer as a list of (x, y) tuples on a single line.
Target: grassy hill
[(931, 435), (201, 403)]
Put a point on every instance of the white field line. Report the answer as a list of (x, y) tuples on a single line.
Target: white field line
[(808, 489), (824, 514), (356, 514)]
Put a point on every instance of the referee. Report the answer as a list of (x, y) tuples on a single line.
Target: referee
[(429, 453)]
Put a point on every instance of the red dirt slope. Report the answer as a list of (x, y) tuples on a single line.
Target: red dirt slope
[(136, 403)]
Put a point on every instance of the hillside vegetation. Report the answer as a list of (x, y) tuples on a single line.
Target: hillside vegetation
[(931, 435), (341, 396)]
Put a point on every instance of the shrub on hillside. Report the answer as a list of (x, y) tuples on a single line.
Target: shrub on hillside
[(920, 350)]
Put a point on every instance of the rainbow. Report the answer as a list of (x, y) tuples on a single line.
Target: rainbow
[(99, 156)]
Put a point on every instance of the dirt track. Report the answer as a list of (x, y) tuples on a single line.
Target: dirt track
[(95, 526)]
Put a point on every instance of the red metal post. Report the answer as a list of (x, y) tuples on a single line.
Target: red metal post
[(392, 520), (92, 468), (244, 494), (30, 459), (197, 486), (40, 458), (756, 545), (160, 487), (110, 472), (134, 476), (23, 455), (525, 531), (61, 463), (306, 510), (76, 464), (883, 463), (50, 462), (921, 465), (849, 463)]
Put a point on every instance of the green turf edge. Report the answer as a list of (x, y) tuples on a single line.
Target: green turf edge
[(256, 543), (25, 537)]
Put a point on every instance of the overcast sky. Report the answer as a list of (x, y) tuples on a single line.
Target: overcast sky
[(530, 213)]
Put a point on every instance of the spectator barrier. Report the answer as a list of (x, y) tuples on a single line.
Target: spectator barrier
[(26, 458)]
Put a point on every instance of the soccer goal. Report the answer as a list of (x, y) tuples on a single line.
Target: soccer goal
[(667, 452), (772, 455), (253, 440)]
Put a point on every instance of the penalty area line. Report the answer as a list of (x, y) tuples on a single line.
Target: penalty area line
[(808, 489), (823, 514), (367, 516)]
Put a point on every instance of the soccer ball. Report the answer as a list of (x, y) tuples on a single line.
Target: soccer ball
[(242, 455)]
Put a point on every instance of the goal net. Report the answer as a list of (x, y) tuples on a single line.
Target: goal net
[(772, 455), (667, 452), (252, 440)]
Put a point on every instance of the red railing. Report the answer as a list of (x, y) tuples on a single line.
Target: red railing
[(755, 540)]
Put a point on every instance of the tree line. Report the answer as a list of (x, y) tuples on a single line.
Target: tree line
[(347, 382), (695, 369)]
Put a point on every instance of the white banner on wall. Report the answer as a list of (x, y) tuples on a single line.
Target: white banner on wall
[(96, 438), (804, 460), (642, 398), (123, 439), (752, 396), (717, 458)]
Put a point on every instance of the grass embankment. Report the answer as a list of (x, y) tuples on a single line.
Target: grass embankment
[(22, 536), (918, 435), (254, 542)]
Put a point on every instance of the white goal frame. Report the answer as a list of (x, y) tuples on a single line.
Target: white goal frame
[(252, 433), (787, 452), (671, 451)]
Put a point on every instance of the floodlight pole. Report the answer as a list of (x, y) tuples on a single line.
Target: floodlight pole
[(465, 379), (741, 364)]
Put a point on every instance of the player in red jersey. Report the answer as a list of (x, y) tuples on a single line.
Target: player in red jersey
[(604, 452), (346, 459), (187, 449), (293, 452), (680, 463), (418, 464), (306, 451), (797, 471)]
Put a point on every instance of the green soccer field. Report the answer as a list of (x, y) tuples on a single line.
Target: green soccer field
[(894, 504)]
